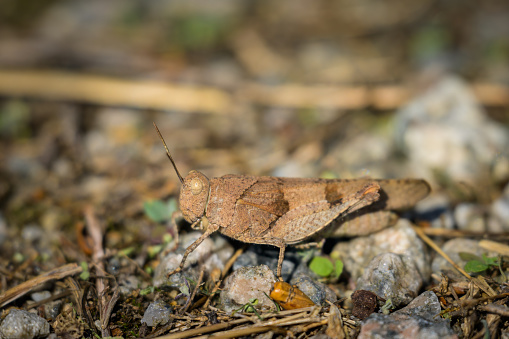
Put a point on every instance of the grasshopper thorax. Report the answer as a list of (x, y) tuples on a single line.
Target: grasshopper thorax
[(194, 196)]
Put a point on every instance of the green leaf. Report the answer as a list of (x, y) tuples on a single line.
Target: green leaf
[(85, 275), (167, 238), (466, 256), (321, 266), (491, 261), (475, 266), (127, 251), (158, 210), (154, 250), (147, 290), (338, 268), (84, 265)]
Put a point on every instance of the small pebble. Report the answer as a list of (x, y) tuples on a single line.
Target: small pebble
[(418, 320), (172, 260), (128, 284), (445, 129), (157, 313), (316, 291), (32, 233), (469, 217), (436, 210), (426, 306), (260, 255), (500, 210), (248, 283), (38, 296), (357, 253), (393, 277), (23, 324)]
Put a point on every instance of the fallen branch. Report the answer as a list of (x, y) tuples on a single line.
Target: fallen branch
[(27, 286)]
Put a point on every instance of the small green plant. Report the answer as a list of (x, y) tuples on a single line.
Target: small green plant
[(249, 307), (325, 267), (158, 210), (387, 307), (476, 264), (85, 274), (147, 290)]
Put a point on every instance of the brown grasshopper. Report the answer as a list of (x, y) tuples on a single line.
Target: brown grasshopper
[(282, 211)]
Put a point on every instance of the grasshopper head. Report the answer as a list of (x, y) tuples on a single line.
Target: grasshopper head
[(194, 196)]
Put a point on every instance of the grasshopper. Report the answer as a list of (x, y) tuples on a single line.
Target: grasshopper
[(285, 211)]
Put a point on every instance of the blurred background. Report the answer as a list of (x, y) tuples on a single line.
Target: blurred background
[(337, 89)]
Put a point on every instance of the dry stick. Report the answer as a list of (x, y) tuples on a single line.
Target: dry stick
[(226, 268), (94, 228), (221, 326), (443, 232), (432, 244), (191, 297), (296, 319), (495, 309), (79, 295), (101, 90), (47, 300), (25, 287), (494, 246), (239, 332), (205, 329)]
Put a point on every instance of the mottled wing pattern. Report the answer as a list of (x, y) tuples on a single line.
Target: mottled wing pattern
[(403, 193), (306, 220), (359, 223), (278, 206)]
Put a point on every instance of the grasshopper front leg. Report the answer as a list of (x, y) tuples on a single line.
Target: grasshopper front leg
[(210, 229)]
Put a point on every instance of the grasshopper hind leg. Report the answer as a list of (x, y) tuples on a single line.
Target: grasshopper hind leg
[(279, 243)]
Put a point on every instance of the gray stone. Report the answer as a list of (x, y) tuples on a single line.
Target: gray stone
[(255, 256), (157, 313), (24, 325), (436, 210), (223, 248), (400, 239), (469, 217), (172, 260), (128, 284), (38, 296), (419, 319), (500, 211), (52, 309), (446, 129), (402, 326), (247, 258), (392, 277), (248, 283), (316, 291), (426, 306)]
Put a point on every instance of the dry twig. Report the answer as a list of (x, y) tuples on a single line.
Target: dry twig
[(27, 286)]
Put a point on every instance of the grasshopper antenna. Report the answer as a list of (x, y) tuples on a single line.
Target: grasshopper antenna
[(168, 154)]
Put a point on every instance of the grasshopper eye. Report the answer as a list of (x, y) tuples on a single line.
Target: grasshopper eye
[(196, 186)]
